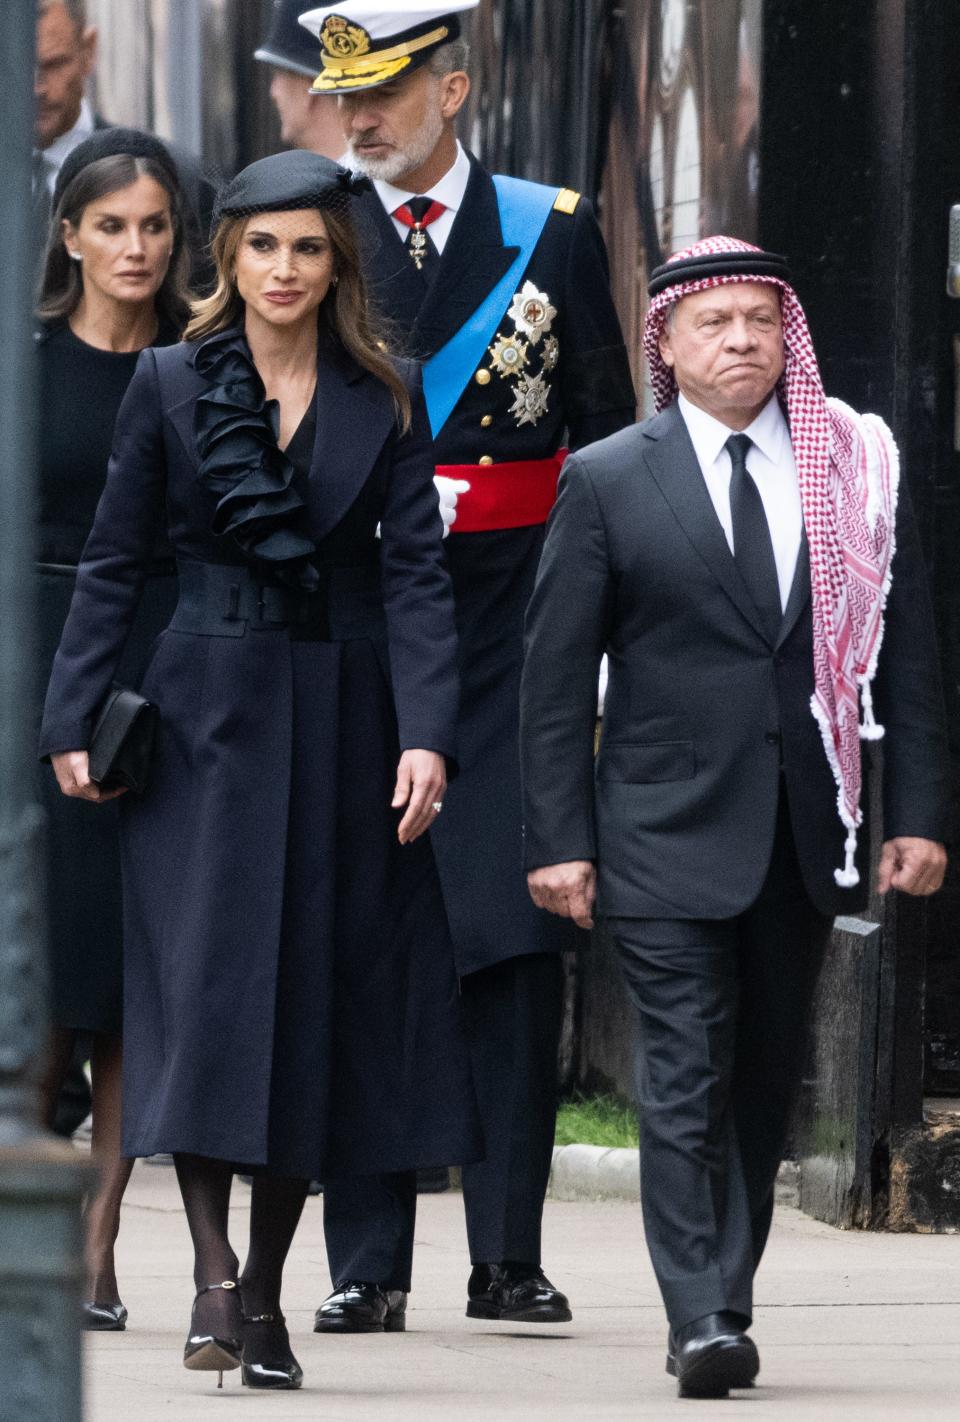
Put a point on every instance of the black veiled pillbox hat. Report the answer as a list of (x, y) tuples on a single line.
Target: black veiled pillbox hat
[(288, 46), (110, 143), (287, 181)]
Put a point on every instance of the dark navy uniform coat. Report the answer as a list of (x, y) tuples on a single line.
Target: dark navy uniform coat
[(290, 998), (582, 363)]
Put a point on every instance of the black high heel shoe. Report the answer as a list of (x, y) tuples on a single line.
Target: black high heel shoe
[(205, 1352), (267, 1360), (103, 1318)]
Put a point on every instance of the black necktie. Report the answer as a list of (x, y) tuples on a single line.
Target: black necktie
[(752, 545)]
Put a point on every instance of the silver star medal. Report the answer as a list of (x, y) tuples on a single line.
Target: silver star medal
[(532, 313), (551, 353), (532, 397)]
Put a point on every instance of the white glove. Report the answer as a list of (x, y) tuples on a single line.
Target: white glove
[(602, 686), (448, 491)]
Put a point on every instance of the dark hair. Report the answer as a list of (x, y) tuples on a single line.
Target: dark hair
[(344, 311), (62, 285)]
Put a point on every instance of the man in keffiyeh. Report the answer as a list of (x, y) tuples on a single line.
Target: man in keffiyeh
[(745, 562)]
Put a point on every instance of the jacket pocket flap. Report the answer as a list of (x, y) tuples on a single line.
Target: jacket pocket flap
[(647, 763)]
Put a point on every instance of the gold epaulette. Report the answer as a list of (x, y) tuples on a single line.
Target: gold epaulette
[(566, 201)]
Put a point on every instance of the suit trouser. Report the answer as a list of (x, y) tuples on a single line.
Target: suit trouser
[(512, 1014), (723, 1009)]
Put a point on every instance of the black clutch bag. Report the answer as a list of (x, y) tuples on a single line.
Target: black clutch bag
[(121, 747)]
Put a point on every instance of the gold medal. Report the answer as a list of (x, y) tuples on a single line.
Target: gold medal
[(508, 355)]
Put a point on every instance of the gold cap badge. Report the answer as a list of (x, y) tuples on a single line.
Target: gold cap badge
[(342, 40)]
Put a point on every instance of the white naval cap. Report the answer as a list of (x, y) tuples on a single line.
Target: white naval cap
[(368, 42)]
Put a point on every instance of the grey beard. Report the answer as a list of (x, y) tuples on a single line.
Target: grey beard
[(401, 160), (387, 170)]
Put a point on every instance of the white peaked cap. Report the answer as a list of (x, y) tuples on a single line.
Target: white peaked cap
[(363, 44)]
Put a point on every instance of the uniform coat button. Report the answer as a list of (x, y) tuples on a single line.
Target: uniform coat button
[(485, 459), (486, 422), (482, 377)]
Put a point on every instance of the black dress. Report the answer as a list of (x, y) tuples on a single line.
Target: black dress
[(81, 390)]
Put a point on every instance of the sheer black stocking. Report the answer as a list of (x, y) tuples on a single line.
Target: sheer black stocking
[(102, 1209), (205, 1187), (275, 1210)]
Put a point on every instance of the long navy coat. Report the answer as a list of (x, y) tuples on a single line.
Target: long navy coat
[(290, 998)]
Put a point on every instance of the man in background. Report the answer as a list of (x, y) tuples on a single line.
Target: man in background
[(65, 60), (307, 120)]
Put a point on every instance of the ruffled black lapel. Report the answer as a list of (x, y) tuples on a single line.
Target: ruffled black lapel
[(259, 508), (355, 417)]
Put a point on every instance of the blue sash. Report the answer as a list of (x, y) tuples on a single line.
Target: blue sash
[(524, 209)]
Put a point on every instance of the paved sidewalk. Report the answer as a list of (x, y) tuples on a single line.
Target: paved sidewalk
[(850, 1326)]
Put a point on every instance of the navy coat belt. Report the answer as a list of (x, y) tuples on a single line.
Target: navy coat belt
[(222, 600)]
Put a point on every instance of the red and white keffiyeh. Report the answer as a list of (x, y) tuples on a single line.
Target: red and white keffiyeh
[(848, 471)]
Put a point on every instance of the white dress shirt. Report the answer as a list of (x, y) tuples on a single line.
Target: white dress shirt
[(770, 464), (56, 154), (449, 191)]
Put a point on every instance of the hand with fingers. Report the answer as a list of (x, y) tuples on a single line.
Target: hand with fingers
[(421, 786), (72, 769), (914, 866), (566, 889)]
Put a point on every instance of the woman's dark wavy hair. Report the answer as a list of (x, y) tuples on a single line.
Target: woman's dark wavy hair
[(62, 285), (344, 312)]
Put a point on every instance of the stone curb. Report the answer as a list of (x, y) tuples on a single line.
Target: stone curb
[(586, 1172)]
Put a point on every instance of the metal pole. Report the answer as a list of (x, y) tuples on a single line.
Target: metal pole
[(41, 1179)]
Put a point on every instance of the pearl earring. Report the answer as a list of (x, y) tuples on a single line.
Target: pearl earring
[(75, 256)]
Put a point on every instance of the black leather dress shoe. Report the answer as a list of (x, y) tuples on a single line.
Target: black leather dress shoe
[(712, 1355), (358, 1307), (515, 1293)]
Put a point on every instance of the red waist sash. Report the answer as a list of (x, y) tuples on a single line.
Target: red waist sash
[(510, 495)]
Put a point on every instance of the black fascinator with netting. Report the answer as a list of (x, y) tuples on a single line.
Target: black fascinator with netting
[(289, 181)]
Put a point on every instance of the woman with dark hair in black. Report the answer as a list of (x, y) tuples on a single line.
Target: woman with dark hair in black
[(114, 283), (290, 997)]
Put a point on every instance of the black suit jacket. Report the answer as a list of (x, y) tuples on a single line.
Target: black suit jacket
[(702, 712)]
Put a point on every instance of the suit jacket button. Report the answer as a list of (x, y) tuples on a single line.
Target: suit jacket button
[(482, 377), (485, 459), (772, 738)]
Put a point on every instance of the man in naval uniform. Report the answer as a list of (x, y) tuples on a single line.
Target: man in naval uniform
[(501, 288)]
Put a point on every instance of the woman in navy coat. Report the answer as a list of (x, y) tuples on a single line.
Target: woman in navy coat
[(290, 998)]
